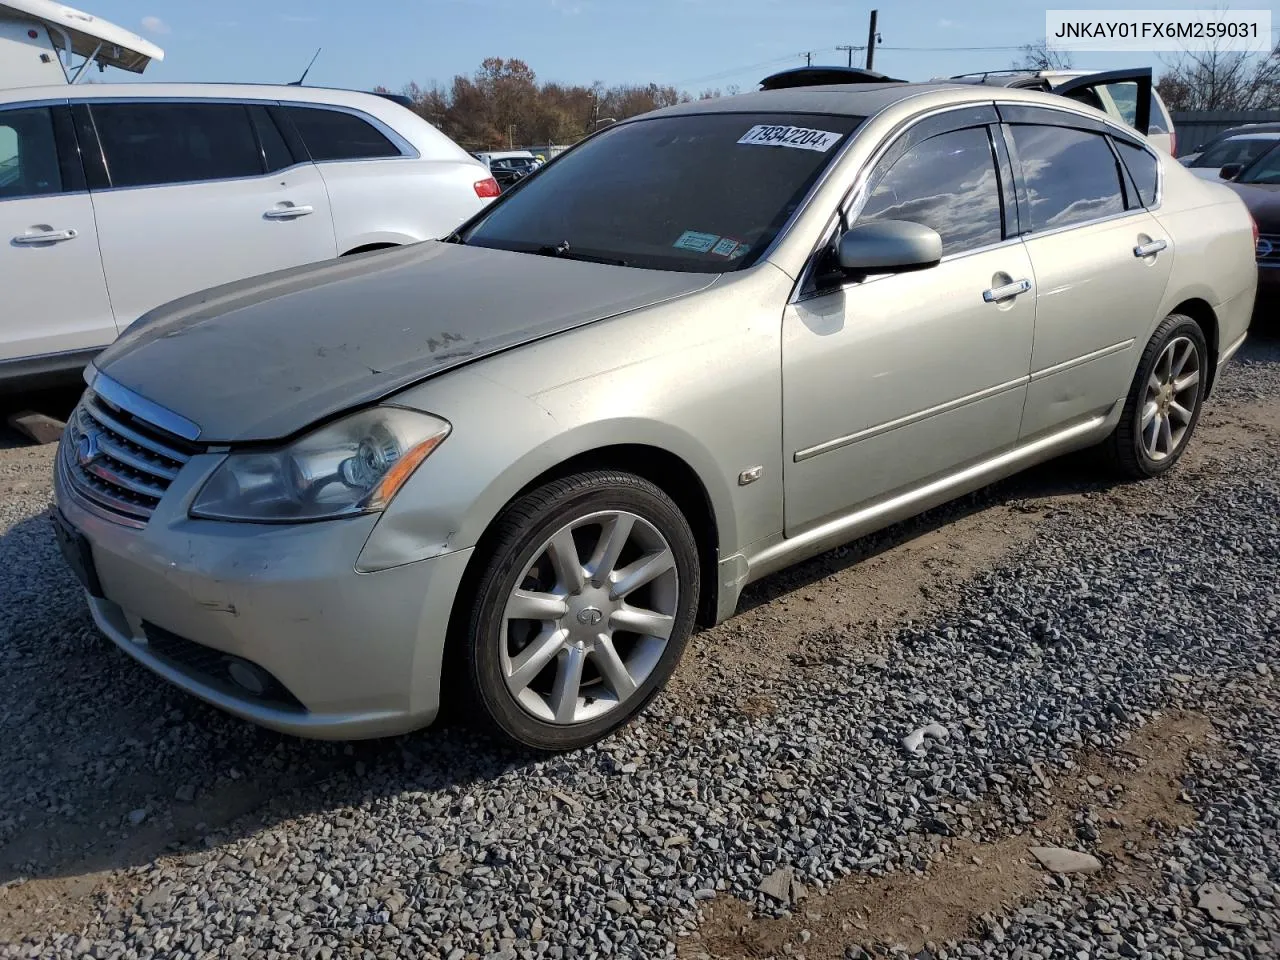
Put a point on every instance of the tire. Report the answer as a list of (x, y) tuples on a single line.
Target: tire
[(1140, 447), (521, 651)]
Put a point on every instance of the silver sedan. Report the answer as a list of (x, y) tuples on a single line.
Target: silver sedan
[(512, 469)]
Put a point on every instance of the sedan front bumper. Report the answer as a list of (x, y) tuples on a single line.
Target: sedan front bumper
[(346, 655)]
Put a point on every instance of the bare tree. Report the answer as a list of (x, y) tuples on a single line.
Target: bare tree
[(1038, 56), (1222, 80)]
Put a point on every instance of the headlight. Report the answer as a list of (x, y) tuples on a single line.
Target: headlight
[(353, 466)]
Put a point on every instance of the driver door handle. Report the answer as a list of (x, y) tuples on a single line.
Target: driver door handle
[(44, 236), (996, 294), (289, 213), (1143, 250)]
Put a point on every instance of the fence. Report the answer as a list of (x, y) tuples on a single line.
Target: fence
[(1197, 127)]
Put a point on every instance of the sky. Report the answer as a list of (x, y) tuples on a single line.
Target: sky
[(691, 44)]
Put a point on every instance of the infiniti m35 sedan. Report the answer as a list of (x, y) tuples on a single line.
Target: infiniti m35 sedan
[(513, 468)]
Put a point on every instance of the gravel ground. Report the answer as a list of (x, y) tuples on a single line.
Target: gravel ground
[(1103, 662)]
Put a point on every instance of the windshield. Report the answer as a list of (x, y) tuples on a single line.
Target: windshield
[(1266, 169), (705, 193), (1235, 150)]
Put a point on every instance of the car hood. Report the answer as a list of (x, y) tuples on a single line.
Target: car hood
[(263, 358), (1263, 201)]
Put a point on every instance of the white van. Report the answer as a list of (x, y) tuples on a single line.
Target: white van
[(115, 199)]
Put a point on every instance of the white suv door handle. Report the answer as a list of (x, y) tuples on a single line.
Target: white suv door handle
[(1143, 250), (996, 294), (45, 236), (289, 212)]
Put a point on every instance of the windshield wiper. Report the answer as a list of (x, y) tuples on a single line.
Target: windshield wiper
[(562, 251)]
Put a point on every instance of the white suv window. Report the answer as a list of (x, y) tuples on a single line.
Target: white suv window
[(152, 143), (28, 154), (336, 135)]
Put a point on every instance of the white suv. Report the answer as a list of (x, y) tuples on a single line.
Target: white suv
[(115, 199)]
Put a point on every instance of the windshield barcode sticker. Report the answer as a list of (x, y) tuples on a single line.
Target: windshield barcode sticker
[(798, 138)]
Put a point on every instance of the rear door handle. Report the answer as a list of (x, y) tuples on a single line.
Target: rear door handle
[(996, 294), (1144, 250), (289, 213), (44, 236)]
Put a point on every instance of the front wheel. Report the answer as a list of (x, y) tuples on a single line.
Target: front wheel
[(583, 610), (1164, 401)]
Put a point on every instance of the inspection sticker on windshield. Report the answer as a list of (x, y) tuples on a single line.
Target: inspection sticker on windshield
[(797, 138), (692, 240)]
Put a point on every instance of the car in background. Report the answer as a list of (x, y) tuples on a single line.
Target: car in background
[(116, 198), (1258, 185), (1192, 156), (706, 343), (1127, 95)]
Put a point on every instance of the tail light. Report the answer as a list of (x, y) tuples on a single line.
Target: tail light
[(487, 189)]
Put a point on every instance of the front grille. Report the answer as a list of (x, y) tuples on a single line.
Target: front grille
[(119, 462), (1269, 248), (209, 666)]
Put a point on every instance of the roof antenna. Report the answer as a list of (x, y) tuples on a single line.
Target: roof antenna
[(298, 82)]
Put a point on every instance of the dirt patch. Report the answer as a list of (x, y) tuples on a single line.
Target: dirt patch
[(1135, 796), (62, 903)]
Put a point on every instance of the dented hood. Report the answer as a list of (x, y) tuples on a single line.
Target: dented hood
[(264, 358)]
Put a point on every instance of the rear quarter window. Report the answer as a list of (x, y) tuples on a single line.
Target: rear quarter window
[(1144, 170), (336, 135)]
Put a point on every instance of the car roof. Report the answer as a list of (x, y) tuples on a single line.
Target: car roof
[(855, 100), (370, 102), (869, 99)]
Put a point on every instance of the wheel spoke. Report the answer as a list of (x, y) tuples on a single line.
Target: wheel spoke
[(1179, 358), (564, 557), (532, 659), (1166, 435), (1149, 413), (1150, 434), (1186, 382), (647, 623), (643, 571), (613, 538), (564, 694), (530, 605), (1154, 383), (612, 668), (1181, 412)]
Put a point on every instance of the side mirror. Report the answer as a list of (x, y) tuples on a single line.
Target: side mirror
[(888, 246), (1231, 170)]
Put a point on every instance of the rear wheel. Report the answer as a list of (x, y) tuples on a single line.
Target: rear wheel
[(1164, 402), (584, 609)]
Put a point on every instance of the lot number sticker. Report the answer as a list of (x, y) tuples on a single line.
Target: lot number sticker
[(797, 138), (692, 240)]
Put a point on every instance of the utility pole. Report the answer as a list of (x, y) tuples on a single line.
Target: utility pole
[(808, 59), (871, 40), (850, 49)]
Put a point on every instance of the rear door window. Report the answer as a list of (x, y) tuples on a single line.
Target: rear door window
[(1071, 175), (154, 143), (336, 135), (947, 182), (28, 154)]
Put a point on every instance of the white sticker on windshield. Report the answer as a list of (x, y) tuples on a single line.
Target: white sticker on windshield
[(692, 240), (798, 138)]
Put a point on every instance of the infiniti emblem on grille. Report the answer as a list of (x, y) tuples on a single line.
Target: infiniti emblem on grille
[(590, 616), (87, 450), (1265, 247)]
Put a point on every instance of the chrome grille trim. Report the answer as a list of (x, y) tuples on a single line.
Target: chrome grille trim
[(116, 462)]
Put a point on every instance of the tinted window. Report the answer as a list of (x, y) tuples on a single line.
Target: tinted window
[(28, 154), (334, 135), (147, 144), (1243, 150), (1266, 169), (1125, 97), (703, 193), (275, 152), (949, 183), (1071, 175), (1142, 169)]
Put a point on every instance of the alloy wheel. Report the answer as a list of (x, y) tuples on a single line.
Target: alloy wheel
[(1169, 406), (589, 618)]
